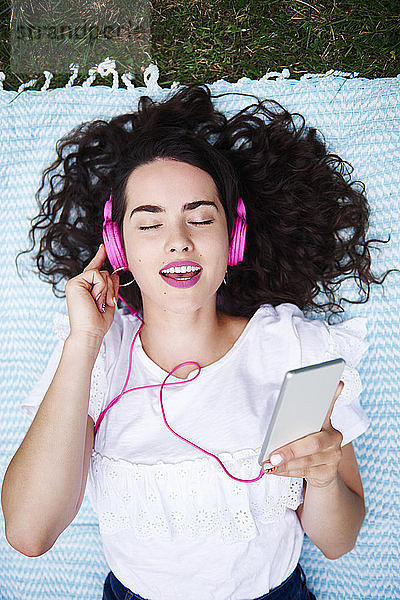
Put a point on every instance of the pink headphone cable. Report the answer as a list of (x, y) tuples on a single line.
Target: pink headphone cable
[(124, 391)]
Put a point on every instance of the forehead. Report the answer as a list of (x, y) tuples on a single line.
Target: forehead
[(169, 182)]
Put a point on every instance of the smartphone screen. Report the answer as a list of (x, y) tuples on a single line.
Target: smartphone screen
[(303, 403)]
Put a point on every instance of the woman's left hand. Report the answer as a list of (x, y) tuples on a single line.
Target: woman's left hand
[(314, 457)]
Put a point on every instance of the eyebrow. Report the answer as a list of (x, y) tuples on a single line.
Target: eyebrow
[(158, 209)]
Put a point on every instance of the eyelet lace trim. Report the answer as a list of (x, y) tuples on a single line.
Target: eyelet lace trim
[(191, 499)]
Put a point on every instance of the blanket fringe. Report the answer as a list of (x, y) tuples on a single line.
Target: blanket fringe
[(151, 74)]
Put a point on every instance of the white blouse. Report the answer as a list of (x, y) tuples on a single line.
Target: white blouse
[(173, 524)]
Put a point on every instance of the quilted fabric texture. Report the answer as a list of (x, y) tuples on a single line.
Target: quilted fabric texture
[(360, 121)]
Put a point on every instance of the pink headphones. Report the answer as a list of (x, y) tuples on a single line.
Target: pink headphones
[(116, 254)]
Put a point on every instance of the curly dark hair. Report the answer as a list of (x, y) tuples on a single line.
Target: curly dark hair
[(306, 222)]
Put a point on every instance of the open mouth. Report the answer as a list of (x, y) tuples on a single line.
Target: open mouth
[(185, 276), (181, 273)]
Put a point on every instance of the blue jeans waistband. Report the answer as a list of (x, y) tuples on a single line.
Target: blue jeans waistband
[(293, 588)]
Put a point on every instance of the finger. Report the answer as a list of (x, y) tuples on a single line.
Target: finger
[(339, 389), (297, 466), (313, 443), (327, 419), (115, 279), (96, 284), (104, 297), (319, 474), (98, 259), (110, 291), (328, 458), (305, 463)]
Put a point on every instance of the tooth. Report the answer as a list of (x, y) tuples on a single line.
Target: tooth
[(181, 269)]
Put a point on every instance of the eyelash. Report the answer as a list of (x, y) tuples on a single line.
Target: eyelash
[(192, 222)]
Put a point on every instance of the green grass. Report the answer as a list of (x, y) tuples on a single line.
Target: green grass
[(203, 41)]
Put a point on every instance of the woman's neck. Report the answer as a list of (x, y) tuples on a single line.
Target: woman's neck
[(202, 336)]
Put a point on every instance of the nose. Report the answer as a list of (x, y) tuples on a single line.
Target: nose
[(179, 239)]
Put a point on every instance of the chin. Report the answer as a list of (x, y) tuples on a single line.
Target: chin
[(185, 306), (180, 301)]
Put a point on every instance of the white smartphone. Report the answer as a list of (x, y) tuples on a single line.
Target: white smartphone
[(303, 403)]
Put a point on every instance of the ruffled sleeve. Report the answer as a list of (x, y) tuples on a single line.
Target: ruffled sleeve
[(98, 385), (322, 342)]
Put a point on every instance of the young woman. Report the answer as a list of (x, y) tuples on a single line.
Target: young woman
[(218, 236)]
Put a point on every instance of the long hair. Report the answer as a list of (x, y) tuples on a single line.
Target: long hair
[(306, 221)]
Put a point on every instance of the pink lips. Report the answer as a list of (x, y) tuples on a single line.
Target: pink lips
[(182, 283)]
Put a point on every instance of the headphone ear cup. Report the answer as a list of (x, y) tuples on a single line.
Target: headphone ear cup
[(113, 246), (112, 239), (236, 248), (238, 238)]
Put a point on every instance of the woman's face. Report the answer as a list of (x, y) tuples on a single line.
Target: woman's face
[(173, 215)]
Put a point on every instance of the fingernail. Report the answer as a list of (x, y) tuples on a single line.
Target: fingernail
[(115, 302), (267, 465), (276, 459)]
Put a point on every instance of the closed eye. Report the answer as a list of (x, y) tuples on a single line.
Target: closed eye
[(144, 228)]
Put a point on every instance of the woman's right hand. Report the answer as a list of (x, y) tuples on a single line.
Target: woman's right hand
[(86, 293)]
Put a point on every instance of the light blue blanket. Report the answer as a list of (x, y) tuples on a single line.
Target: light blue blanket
[(360, 121)]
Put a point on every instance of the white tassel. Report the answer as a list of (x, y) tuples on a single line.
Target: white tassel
[(74, 68), (330, 73), (151, 75), (104, 68), (23, 86), (126, 79), (46, 85), (284, 75)]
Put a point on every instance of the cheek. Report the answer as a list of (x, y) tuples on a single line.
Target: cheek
[(223, 245), (219, 243), (139, 255), (213, 249)]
